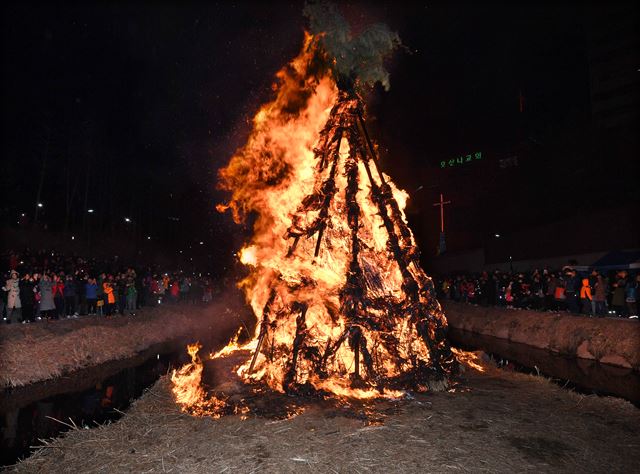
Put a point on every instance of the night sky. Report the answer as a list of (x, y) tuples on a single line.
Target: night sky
[(148, 100)]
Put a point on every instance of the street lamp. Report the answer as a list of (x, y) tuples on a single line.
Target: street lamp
[(497, 236), (126, 219), (40, 204), (90, 211)]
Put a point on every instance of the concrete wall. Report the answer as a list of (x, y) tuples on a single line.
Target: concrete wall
[(608, 340)]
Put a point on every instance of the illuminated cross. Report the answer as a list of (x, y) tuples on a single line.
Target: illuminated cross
[(441, 204)]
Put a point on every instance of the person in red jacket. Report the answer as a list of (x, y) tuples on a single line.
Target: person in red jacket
[(174, 291), (58, 295)]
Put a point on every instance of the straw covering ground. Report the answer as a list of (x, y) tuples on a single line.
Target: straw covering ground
[(494, 421)]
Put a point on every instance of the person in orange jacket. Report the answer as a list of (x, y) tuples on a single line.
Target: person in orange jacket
[(110, 296), (585, 296)]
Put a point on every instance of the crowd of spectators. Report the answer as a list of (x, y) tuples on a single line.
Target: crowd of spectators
[(45, 285), (592, 293)]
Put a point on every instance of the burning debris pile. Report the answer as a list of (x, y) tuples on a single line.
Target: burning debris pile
[(342, 304)]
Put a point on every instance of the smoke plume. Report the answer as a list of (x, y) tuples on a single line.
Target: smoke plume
[(361, 57)]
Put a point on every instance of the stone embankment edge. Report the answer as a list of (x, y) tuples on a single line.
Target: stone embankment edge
[(612, 341)]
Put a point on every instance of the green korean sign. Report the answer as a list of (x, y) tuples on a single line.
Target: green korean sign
[(461, 160)]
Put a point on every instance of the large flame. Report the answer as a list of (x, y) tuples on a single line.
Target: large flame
[(295, 293)]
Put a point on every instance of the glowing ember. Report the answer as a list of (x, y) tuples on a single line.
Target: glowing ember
[(341, 302)]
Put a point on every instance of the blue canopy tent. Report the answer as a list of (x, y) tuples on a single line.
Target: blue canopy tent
[(618, 260)]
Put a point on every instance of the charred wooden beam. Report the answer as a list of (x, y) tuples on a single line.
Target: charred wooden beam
[(301, 328), (358, 344), (293, 246), (374, 157), (325, 356), (272, 348), (329, 192), (355, 335), (366, 356), (352, 293), (263, 327), (316, 252), (333, 348)]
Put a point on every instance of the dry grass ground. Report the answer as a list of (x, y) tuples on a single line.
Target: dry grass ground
[(45, 350), (494, 421)]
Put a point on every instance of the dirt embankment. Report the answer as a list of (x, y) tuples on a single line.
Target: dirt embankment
[(493, 421), (608, 340), (45, 350)]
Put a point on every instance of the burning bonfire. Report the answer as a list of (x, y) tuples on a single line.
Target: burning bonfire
[(343, 306)]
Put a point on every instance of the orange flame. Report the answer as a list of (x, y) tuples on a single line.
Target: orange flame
[(187, 388)]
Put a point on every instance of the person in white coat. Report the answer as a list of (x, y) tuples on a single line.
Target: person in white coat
[(47, 305), (12, 287)]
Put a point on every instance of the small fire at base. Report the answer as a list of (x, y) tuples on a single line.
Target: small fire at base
[(343, 306), (188, 390)]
